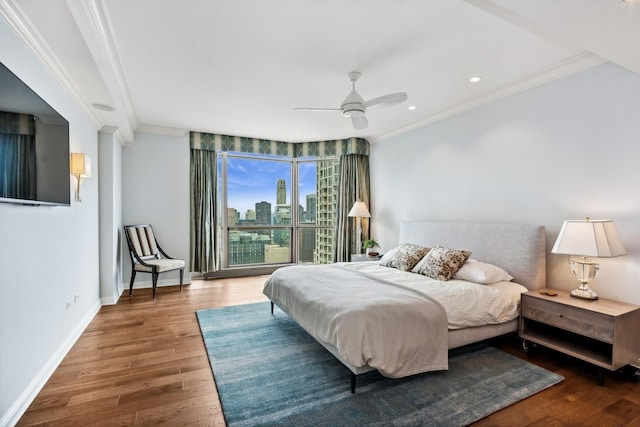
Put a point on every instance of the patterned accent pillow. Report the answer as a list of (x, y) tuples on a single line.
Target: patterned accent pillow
[(404, 257), (441, 263)]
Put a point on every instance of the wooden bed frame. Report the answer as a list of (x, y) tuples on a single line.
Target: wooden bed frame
[(519, 249)]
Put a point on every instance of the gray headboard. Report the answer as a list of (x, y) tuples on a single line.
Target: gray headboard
[(519, 249)]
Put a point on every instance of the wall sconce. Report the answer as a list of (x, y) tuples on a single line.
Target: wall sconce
[(80, 169), (359, 210), (583, 239)]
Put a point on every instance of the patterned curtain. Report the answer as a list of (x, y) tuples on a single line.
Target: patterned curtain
[(204, 256), (353, 185), (318, 149), (17, 156)]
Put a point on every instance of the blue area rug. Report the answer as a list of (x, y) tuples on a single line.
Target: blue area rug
[(269, 371)]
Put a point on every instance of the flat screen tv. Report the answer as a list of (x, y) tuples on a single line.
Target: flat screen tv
[(34, 147)]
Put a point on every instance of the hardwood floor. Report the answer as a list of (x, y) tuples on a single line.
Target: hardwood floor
[(143, 361)]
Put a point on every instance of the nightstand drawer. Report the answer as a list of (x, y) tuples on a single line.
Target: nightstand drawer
[(584, 322)]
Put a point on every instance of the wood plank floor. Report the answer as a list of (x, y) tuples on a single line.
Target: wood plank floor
[(143, 361)]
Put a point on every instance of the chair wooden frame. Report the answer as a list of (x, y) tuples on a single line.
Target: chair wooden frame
[(148, 261)]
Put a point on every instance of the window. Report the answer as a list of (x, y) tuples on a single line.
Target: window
[(276, 210)]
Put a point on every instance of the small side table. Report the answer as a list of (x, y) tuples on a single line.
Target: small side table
[(602, 332), (364, 258)]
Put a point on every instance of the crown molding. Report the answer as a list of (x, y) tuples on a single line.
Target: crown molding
[(94, 23), (24, 28), (17, 19), (117, 134), (162, 130), (560, 69)]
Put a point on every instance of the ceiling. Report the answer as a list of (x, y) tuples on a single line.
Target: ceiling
[(239, 67)]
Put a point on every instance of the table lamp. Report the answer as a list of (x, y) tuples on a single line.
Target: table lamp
[(359, 210), (586, 238)]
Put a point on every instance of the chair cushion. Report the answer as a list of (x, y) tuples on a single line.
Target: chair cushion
[(163, 265)]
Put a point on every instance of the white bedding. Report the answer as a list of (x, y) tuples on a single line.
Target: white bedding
[(390, 320), (466, 304), (395, 329), (518, 249)]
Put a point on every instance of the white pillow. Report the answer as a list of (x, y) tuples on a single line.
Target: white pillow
[(390, 254), (481, 272)]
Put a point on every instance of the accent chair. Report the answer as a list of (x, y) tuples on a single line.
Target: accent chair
[(148, 257)]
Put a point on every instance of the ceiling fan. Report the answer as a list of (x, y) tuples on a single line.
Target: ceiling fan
[(355, 107)]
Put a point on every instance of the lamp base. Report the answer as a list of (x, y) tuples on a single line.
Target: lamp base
[(584, 270), (584, 292)]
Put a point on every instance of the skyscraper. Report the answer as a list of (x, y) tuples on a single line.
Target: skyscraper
[(326, 205), (263, 213), (282, 214), (281, 192), (311, 208), (232, 217), (246, 248)]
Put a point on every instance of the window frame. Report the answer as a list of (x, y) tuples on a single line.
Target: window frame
[(295, 225)]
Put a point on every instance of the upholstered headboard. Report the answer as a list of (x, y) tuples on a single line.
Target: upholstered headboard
[(519, 249)]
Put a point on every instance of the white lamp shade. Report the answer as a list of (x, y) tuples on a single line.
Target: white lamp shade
[(595, 238), (359, 209), (80, 165)]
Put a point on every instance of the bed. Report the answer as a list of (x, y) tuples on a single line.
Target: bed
[(401, 323)]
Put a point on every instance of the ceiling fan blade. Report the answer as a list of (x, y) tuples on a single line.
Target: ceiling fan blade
[(316, 109), (386, 100), (359, 122)]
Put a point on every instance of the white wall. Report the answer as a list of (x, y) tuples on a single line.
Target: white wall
[(565, 150), (155, 183), (111, 233), (47, 255)]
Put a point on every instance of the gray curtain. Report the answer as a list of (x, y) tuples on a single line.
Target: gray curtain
[(353, 184), (204, 256), (17, 156), (18, 163)]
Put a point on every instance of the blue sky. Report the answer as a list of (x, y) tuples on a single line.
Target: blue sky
[(251, 181)]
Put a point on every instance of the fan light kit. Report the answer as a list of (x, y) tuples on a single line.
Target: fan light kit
[(355, 107)]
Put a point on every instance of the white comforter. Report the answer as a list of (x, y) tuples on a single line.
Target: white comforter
[(395, 329), (390, 320), (467, 304)]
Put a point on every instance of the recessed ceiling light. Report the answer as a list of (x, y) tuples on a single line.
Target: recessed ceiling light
[(103, 107), (412, 107), (475, 79)]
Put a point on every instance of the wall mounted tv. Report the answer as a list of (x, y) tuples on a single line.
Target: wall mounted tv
[(34, 147)]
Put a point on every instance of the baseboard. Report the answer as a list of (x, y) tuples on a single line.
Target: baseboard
[(19, 407), (243, 271), (148, 283), (113, 299)]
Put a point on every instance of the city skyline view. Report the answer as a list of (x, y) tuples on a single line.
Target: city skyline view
[(264, 189), (250, 181)]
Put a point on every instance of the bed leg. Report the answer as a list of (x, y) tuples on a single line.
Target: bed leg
[(271, 307), (353, 383)]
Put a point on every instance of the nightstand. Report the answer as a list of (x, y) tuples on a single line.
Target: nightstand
[(364, 258), (602, 332)]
